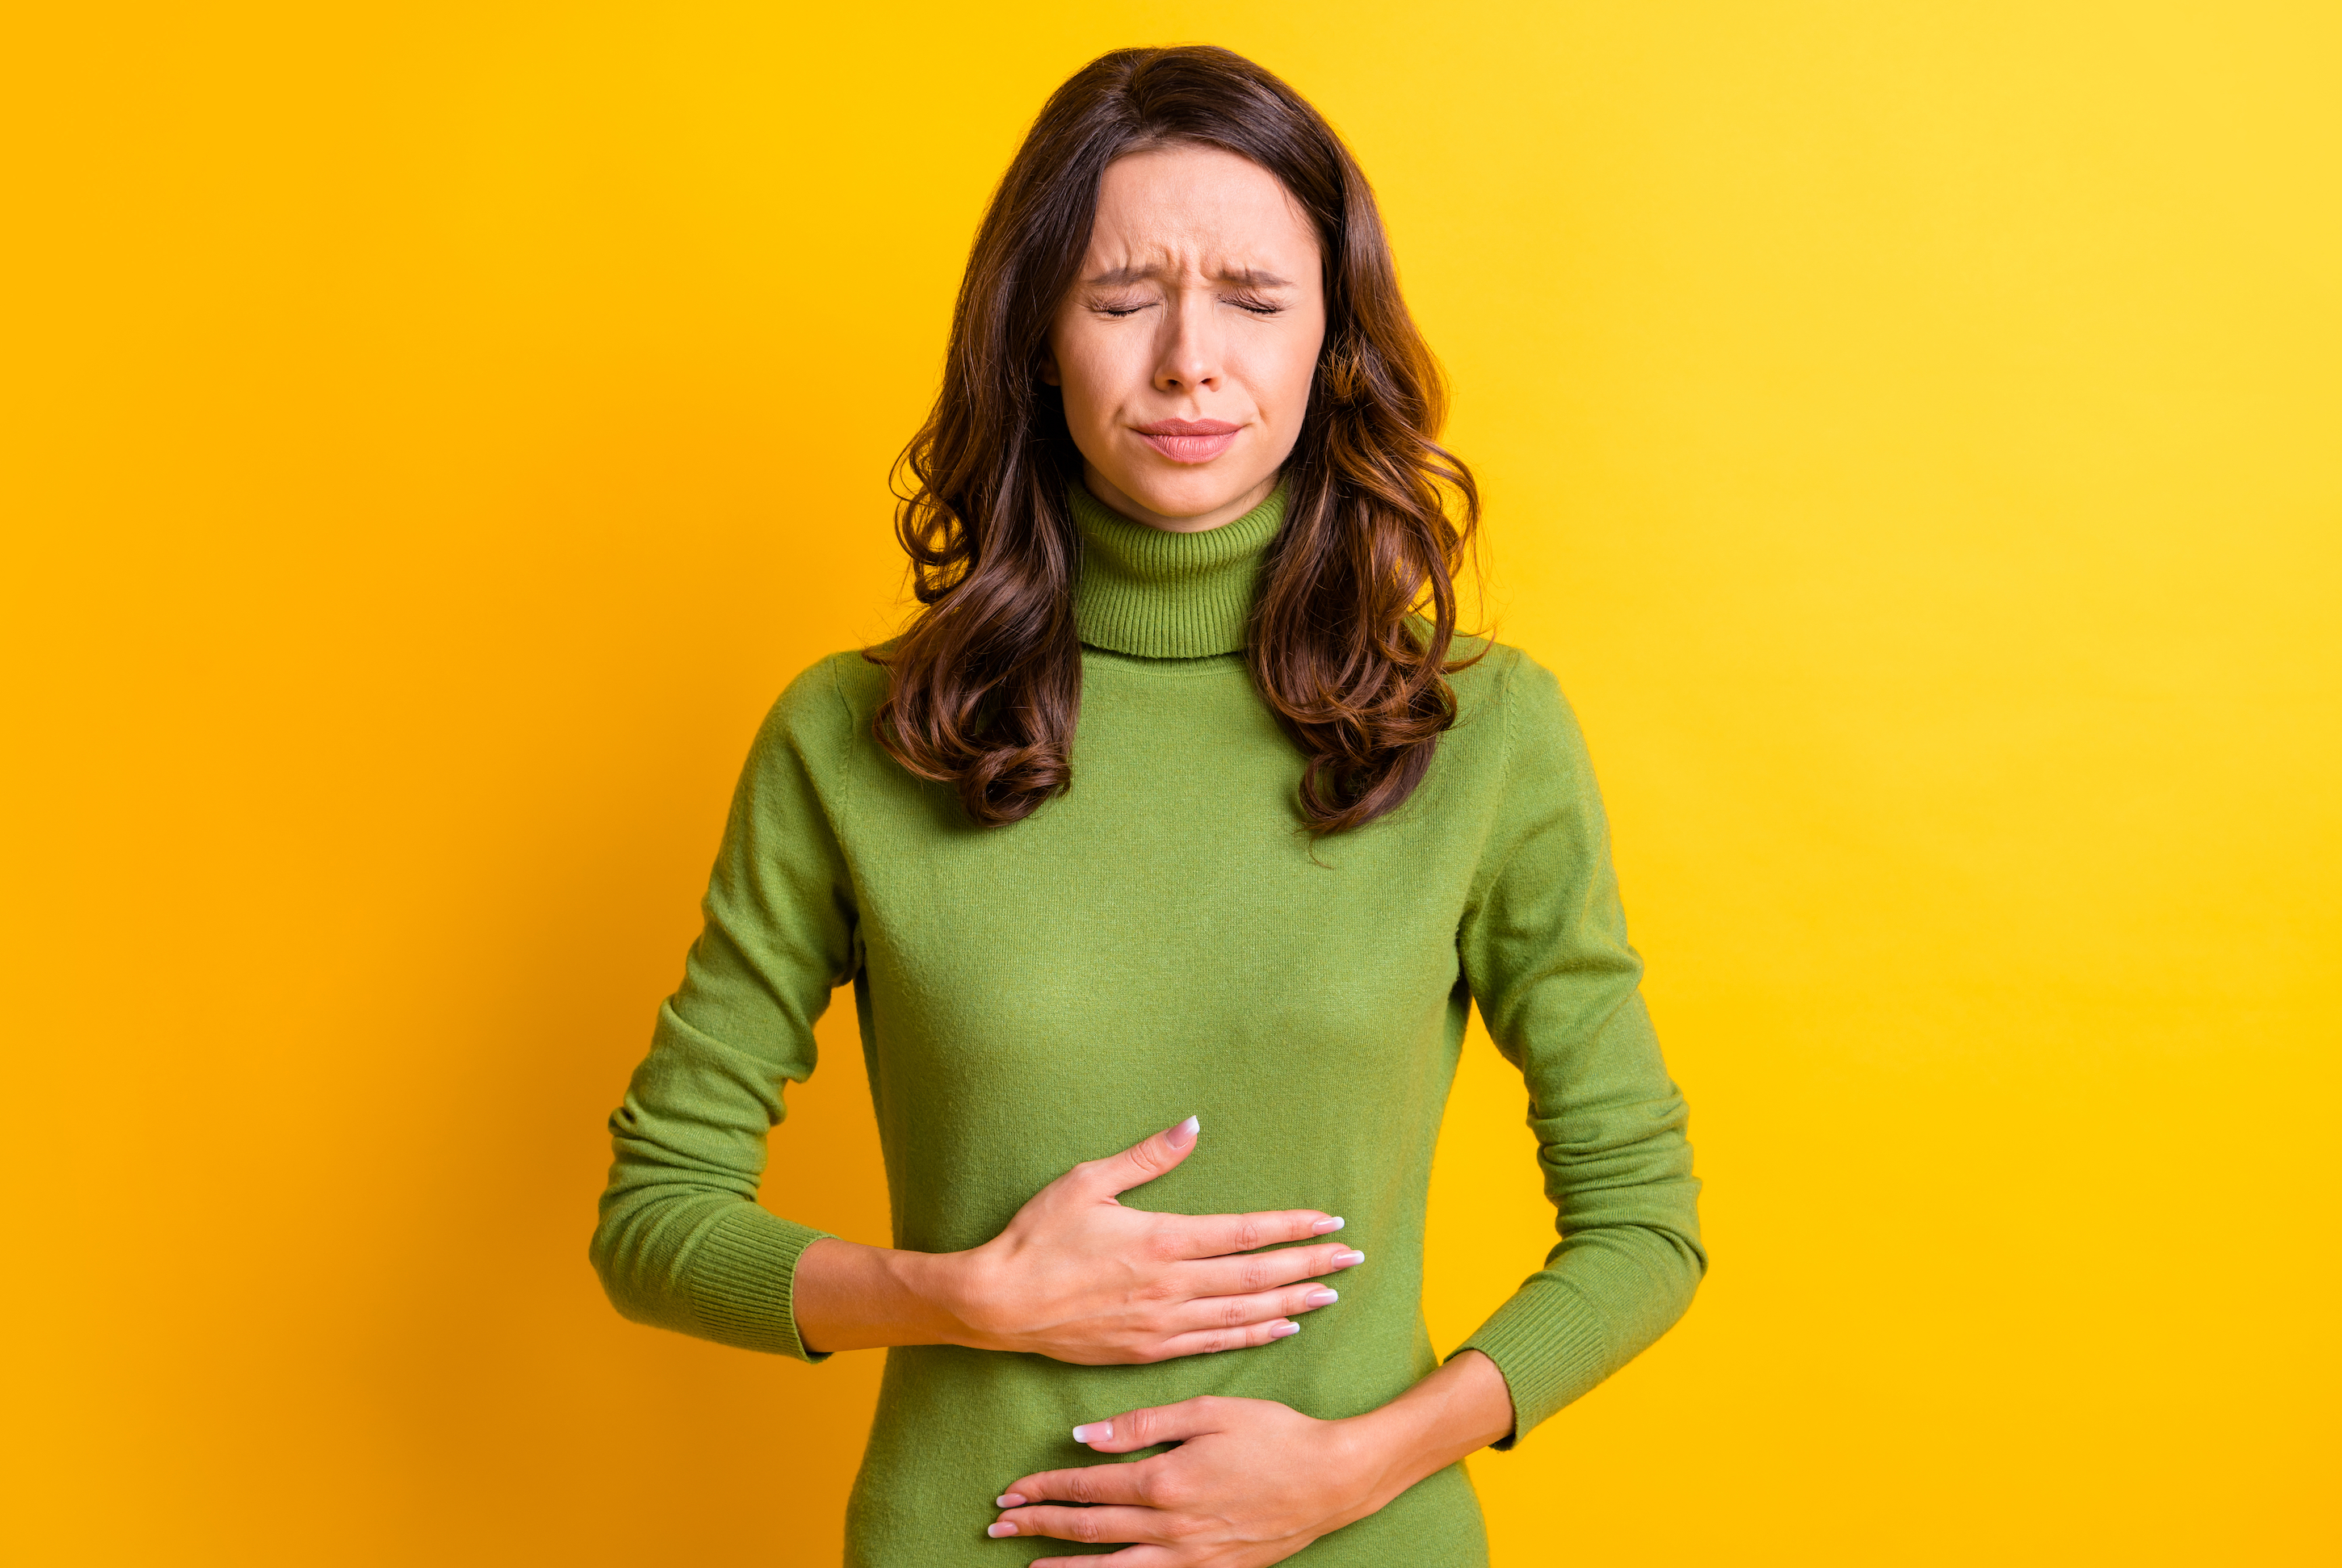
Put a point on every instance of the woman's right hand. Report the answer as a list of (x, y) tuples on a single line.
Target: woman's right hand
[(1079, 1276)]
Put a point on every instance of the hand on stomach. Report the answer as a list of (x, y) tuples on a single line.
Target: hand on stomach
[(1079, 1276)]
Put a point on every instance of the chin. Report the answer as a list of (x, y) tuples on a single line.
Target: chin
[(1189, 493)]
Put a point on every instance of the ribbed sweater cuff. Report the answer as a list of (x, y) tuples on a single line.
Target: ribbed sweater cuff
[(741, 1279), (1547, 1340)]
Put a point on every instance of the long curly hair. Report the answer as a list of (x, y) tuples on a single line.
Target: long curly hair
[(1351, 631)]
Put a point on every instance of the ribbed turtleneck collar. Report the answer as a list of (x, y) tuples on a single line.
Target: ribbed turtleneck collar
[(1166, 596)]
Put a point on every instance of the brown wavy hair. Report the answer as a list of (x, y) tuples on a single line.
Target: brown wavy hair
[(1350, 634)]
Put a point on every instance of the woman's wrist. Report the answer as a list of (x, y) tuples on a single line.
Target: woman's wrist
[(948, 1286), (1458, 1410), (849, 1297)]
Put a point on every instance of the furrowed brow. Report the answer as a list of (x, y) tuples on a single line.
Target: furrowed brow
[(1249, 277)]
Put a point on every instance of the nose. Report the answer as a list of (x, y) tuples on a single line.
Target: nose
[(1188, 357)]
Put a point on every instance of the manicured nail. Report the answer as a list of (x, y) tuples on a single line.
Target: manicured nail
[(1282, 1329), (1010, 1500), (1005, 1527), (1180, 1136), (1345, 1260), (1322, 1297), (1095, 1432), (1326, 1227)]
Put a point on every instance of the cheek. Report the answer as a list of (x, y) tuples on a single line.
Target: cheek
[(1091, 375), (1283, 373)]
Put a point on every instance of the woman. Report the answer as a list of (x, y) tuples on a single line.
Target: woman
[(1167, 853)]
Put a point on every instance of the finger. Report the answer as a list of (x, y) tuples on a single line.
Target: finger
[(1128, 1557), (1142, 1162), (1089, 1524), (1253, 1273), (1086, 1483), (1205, 1340), (1151, 1424), (1217, 1235), (1241, 1311)]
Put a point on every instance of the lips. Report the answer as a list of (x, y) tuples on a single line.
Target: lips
[(1188, 440)]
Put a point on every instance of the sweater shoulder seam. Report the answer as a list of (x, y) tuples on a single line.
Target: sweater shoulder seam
[(843, 816), (1504, 774)]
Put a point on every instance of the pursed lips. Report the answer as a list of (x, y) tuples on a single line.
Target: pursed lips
[(1188, 440)]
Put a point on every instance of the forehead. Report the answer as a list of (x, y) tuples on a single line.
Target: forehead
[(1198, 206)]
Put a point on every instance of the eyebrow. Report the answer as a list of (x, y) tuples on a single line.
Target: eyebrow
[(1250, 277)]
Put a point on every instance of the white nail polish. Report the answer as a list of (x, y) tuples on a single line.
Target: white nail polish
[(1094, 1432), (1180, 1136), (1285, 1330), (1326, 1227), (1349, 1258)]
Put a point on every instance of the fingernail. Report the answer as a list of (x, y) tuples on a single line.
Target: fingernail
[(1010, 1500), (1005, 1527), (1322, 1297), (1328, 1226), (1344, 1260), (1095, 1432), (1180, 1136), (1282, 1329)]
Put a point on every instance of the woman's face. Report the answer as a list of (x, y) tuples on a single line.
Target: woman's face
[(1187, 343)]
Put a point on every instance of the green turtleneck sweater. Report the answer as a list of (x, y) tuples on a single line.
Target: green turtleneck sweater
[(1162, 940)]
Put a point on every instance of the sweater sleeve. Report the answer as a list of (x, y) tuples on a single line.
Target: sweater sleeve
[(682, 1242), (1544, 948)]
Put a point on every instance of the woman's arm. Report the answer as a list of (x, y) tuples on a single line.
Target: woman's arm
[(1544, 948), (681, 1241)]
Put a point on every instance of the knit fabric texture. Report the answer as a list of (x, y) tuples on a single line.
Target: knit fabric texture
[(1162, 595), (1164, 939)]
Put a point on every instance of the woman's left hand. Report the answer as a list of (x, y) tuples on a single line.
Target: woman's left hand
[(1252, 1482)]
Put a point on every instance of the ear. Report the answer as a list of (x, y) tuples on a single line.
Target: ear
[(1049, 376)]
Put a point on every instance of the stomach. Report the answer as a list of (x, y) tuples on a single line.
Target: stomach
[(955, 1426)]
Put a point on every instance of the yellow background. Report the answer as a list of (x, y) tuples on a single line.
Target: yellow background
[(434, 432)]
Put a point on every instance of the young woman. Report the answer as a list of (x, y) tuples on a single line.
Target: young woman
[(1167, 853)]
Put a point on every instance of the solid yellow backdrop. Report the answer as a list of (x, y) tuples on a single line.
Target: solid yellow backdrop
[(435, 432)]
